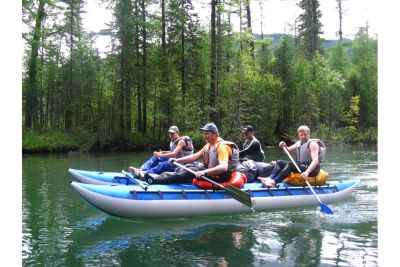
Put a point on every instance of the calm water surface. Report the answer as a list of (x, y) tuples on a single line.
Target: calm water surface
[(61, 229)]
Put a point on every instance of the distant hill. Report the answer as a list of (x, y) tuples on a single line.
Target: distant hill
[(276, 38)]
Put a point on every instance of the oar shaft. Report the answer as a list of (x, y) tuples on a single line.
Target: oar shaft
[(290, 156), (131, 178), (297, 167)]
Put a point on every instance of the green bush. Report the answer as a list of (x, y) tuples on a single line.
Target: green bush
[(35, 142)]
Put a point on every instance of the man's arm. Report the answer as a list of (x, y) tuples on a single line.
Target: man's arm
[(160, 153), (220, 168), (188, 159), (172, 154), (290, 148)]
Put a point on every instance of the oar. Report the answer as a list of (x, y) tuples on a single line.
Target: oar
[(233, 191), (136, 181), (324, 207)]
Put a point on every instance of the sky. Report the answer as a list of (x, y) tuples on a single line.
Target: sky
[(276, 16)]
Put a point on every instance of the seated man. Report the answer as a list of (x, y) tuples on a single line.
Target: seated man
[(220, 158), (252, 148), (180, 146), (310, 153)]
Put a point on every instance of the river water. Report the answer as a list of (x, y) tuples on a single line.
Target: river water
[(59, 228)]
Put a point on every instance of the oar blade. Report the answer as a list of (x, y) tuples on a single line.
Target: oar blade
[(239, 195), (326, 209)]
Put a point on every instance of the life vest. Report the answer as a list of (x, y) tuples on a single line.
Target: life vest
[(304, 153), (237, 179), (186, 150), (295, 179), (210, 157), (256, 156)]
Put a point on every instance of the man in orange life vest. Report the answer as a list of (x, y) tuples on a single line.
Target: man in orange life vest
[(220, 159)]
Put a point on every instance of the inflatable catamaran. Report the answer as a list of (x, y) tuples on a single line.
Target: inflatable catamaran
[(118, 196)]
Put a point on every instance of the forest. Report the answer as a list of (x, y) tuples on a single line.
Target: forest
[(164, 67)]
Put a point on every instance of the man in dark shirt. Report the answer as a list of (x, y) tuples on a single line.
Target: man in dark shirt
[(252, 148)]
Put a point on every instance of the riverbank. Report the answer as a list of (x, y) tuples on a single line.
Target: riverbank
[(50, 142), (56, 142)]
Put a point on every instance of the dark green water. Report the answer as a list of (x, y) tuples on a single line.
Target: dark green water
[(60, 229)]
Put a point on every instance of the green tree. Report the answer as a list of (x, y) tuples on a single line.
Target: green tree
[(31, 105), (284, 70), (329, 87), (213, 64), (310, 27), (363, 79), (125, 35), (73, 29), (352, 115), (306, 108)]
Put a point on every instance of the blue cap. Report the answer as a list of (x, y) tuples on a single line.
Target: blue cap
[(210, 127)]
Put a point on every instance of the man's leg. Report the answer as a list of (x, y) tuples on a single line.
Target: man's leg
[(264, 169), (152, 162), (161, 167), (279, 170), (181, 177), (288, 167)]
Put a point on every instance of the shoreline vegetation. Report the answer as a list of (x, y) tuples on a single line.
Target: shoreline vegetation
[(164, 68), (57, 142)]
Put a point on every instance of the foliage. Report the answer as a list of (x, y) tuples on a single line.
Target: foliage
[(35, 142), (364, 76), (157, 73), (352, 115), (310, 27)]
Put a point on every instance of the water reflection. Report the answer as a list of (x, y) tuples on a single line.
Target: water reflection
[(300, 238), (177, 242)]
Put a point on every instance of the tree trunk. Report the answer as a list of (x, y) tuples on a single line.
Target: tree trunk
[(315, 32), (138, 68), (251, 42), (183, 83), (165, 102), (31, 100), (68, 111), (144, 34), (126, 39), (340, 20), (213, 60)]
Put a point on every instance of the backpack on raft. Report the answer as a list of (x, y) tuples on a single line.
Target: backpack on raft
[(248, 168), (237, 179), (295, 179)]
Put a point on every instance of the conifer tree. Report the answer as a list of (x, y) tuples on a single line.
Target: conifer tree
[(310, 27)]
